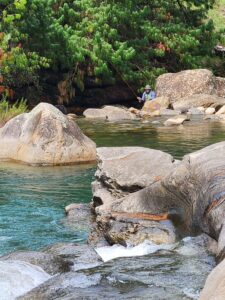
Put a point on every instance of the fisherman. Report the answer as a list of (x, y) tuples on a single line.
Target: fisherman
[(148, 94)]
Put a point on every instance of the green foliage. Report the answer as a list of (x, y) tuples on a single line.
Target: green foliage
[(8, 111), (128, 40), (19, 65)]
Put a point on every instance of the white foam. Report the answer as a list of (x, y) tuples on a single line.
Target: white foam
[(110, 252), (18, 277)]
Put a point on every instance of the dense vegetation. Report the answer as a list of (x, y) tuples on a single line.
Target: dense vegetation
[(128, 40)]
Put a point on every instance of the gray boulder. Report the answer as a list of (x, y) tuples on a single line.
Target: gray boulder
[(122, 170), (196, 100), (109, 113), (185, 83), (79, 256), (45, 136), (190, 193)]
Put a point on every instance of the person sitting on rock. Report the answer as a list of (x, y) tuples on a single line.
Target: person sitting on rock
[(148, 94)]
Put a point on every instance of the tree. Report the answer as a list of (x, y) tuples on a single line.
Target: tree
[(129, 40)]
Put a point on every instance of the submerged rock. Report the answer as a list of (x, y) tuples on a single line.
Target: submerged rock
[(45, 136), (178, 120), (109, 113)]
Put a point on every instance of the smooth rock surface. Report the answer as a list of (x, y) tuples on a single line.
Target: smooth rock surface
[(80, 256), (58, 287), (197, 100), (109, 113), (45, 136), (210, 111), (190, 193), (178, 120), (122, 170), (214, 288), (18, 278), (156, 104), (185, 83)]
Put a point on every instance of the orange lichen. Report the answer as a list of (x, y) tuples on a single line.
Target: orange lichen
[(142, 216)]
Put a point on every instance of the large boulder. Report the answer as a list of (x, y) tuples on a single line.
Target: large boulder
[(122, 170), (109, 113), (45, 136), (197, 100), (190, 192), (156, 104), (185, 83)]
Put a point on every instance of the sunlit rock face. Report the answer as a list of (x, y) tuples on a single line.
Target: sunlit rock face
[(45, 136), (129, 195), (17, 278), (186, 83)]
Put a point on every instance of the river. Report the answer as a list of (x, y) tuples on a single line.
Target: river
[(32, 201)]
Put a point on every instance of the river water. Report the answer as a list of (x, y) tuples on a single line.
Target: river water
[(32, 202)]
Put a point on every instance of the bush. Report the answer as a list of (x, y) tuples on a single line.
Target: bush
[(8, 111)]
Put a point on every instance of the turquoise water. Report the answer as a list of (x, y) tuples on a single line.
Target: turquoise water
[(32, 202), (32, 199)]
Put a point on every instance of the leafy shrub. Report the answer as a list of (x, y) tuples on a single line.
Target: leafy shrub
[(8, 111)]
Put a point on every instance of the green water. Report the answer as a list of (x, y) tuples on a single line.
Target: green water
[(32, 200)]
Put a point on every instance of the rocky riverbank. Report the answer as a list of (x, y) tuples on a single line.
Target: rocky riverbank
[(144, 201), (179, 95)]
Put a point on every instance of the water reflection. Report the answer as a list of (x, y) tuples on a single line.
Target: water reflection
[(177, 140)]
